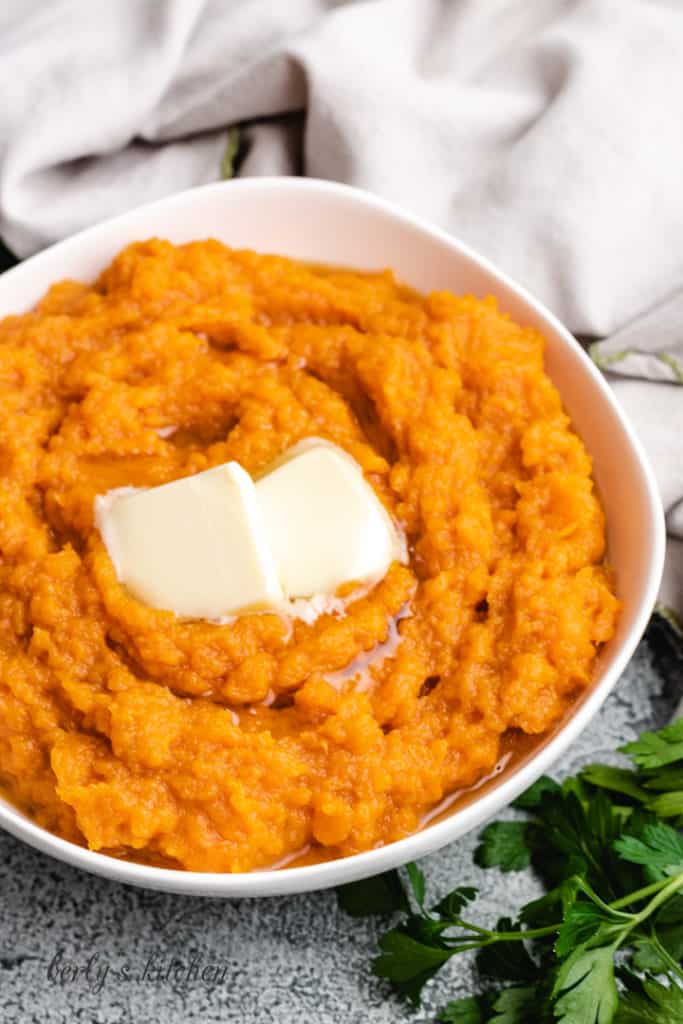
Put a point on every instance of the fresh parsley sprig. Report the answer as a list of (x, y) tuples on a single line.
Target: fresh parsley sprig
[(604, 945)]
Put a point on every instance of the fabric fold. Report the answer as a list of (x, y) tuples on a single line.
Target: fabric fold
[(548, 136)]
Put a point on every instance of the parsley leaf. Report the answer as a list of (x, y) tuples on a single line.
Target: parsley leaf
[(503, 844), (452, 904), (382, 894), (516, 1005), (409, 964), (581, 831), (584, 921), (618, 780), (671, 912), (609, 847), (648, 956), (586, 987), (417, 880), (544, 910), (665, 779), (534, 795), (660, 848), (651, 1003), (656, 749), (507, 961), (666, 805), (462, 1011)]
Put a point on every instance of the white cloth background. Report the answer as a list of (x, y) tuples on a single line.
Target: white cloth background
[(546, 133)]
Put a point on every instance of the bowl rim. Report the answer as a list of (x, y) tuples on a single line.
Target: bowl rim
[(290, 880)]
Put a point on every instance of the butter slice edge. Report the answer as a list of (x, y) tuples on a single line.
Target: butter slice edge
[(196, 546), (324, 522)]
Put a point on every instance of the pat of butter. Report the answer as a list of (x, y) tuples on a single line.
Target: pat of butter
[(216, 544), (196, 546), (324, 523)]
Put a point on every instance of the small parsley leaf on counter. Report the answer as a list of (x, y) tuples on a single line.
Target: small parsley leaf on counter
[(382, 894), (462, 1011), (504, 845), (656, 749)]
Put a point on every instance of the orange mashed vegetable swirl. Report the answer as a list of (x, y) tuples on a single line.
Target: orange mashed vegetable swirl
[(228, 747)]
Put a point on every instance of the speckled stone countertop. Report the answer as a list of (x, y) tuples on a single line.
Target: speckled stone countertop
[(158, 959)]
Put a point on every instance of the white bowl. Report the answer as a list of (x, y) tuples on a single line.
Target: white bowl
[(326, 222)]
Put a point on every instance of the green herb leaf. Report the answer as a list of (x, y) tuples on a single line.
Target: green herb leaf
[(462, 1011), (507, 961), (666, 805), (671, 912), (584, 921), (407, 963), (652, 1003), (665, 779), (586, 987), (382, 894), (660, 848), (516, 1005), (533, 796), (544, 910), (648, 956), (454, 903), (417, 881), (656, 749), (615, 868), (617, 780), (503, 844), (582, 833)]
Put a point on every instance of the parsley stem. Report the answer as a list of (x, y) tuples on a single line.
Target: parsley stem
[(664, 954), (667, 887), (672, 885), (639, 894), (661, 890), (529, 933), (472, 927)]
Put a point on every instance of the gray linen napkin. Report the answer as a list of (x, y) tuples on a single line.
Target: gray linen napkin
[(546, 134)]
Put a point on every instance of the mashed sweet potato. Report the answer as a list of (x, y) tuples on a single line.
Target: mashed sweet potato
[(226, 748)]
